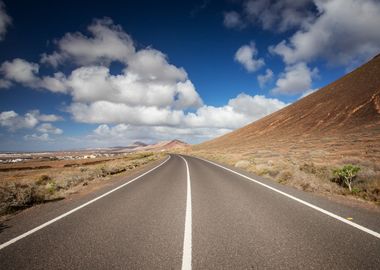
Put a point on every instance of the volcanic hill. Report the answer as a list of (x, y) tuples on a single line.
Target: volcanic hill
[(341, 120), (301, 144)]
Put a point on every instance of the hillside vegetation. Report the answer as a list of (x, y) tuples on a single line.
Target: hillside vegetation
[(302, 144), (23, 188)]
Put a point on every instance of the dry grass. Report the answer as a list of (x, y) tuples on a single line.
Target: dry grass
[(303, 174), (21, 189)]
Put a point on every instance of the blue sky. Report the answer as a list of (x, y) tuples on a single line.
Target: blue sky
[(87, 74)]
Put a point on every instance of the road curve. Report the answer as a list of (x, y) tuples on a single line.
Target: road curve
[(191, 214)]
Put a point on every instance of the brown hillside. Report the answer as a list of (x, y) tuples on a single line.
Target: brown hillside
[(346, 113), (301, 144)]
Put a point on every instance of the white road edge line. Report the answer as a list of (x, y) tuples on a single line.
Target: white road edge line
[(76, 209), (186, 255), (353, 224)]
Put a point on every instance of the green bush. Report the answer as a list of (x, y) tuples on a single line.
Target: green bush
[(346, 175)]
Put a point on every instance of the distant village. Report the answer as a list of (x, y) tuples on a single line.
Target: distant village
[(20, 157), (6, 158)]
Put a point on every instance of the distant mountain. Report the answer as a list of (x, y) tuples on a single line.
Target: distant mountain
[(175, 144), (164, 145), (138, 143)]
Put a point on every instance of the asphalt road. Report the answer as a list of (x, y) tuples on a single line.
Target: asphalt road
[(188, 213)]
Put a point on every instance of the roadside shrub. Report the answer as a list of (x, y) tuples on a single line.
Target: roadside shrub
[(43, 180), (308, 168), (321, 172), (285, 176), (16, 196), (263, 171), (346, 175)]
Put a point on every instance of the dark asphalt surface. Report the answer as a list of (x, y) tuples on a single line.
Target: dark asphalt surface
[(236, 224)]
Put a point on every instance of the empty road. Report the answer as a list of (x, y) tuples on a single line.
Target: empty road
[(187, 213)]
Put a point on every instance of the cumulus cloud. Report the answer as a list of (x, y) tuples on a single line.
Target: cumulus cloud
[(26, 73), (278, 16), (115, 131), (344, 31), (246, 55), (216, 117), (150, 64), (150, 98), (49, 128), (109, 112), (20, 71), (273, 15), (5, 20), (5, 84), (296, 79), (39, 138), (255, 107), (108, 42), (95, 83), (232, 19), (46, 117), (204, 124), (239, 111), (13, 121), (148, 80), (263, 79)]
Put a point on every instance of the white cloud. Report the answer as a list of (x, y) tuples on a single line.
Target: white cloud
[(49, 118), (239, 111), (49, 128), (276, 15), (95, 83), (246, 55), (13, 121), (115, 131), (5, 20), (150, 64), (20, 71), (206, 123), (344, 31), (148, 83), (35, 137), (264, 78), (216, 117), (255, 107), (150, 98), (108, 42), (45, 117), (26, 73), (296, 79), (232, 19), (5, 84), (110, 112), (57, 83)]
